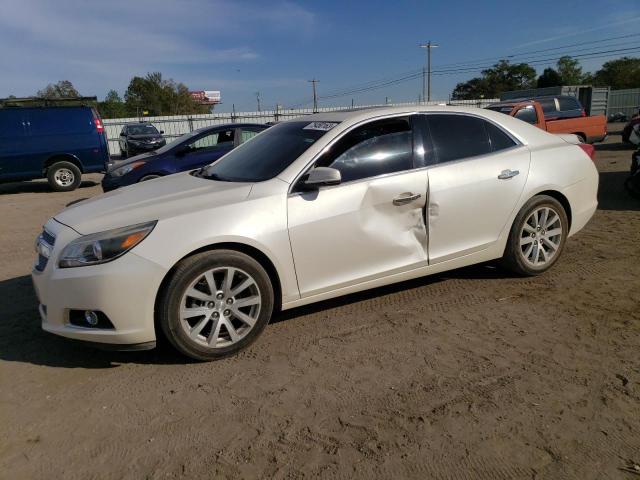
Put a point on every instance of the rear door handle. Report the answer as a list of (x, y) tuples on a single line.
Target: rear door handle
[(507, 174), (405, 198)]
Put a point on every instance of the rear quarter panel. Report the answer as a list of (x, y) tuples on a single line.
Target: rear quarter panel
[(565, 168), (593, 128)]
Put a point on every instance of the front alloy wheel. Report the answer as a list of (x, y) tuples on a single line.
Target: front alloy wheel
[(220, 307), (215, 304)]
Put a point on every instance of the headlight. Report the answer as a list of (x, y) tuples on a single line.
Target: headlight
[(104, 246), (120, 171)]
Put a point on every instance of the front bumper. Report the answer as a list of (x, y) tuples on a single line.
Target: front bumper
[(111, 183), (124, 290)]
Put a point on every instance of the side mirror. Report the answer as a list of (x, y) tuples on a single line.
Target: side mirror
[(322, 177), (161, 132)]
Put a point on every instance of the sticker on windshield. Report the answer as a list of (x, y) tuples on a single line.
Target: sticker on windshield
[(324, 126)]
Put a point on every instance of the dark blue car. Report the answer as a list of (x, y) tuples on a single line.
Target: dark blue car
[(57, 143), (192, 150)]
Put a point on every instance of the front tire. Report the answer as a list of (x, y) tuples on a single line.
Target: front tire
[(537, 236), (64, 176), (215, 304)]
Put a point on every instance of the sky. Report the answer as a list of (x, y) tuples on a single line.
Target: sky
[(274, 47)]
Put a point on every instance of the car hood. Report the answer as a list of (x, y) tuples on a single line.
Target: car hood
[(157, 199)]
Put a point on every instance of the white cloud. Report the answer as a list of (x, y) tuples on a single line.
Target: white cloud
[(101, 45)]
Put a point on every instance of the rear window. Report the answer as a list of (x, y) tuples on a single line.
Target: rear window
[(548, 105), (569, 103), (527, 114)]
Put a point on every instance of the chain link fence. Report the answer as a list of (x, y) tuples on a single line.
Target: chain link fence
[(177, 125)]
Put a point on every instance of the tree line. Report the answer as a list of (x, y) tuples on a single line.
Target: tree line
[(151, 95), (505, 76)]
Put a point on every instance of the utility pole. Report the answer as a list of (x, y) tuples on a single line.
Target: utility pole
[(426, 78), (315, 95), (258, 99)]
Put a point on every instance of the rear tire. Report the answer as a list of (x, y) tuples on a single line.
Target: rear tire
[(64, 176), (206, 316), (537, 237)]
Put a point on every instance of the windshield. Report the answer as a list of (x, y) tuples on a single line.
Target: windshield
[(267, 154), (177, 141), (142, 130)]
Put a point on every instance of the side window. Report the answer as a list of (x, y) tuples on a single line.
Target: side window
[(499, 140), (247, 135), (527, 114), (383, 146), (458, 136), (213, 140)]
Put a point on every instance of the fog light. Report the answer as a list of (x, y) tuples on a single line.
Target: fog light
[(91, 317)]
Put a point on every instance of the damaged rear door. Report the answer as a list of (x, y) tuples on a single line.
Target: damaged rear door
[(372, 224)]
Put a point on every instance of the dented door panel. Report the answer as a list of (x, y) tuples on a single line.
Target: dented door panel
[(355, 232)]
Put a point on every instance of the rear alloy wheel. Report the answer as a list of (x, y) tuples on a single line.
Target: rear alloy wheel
[(64, 176), (537, 236), (216, 304)]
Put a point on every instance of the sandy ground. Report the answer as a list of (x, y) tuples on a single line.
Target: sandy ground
[(472, 374)]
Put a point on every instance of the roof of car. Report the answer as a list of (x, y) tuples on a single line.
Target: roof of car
[(358, 114)]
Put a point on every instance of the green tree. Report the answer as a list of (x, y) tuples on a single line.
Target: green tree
[(62, 89), (617, 74), (471, 90), (159, 96), (569, 70), (549, 78), (113, 106), (502, 77)]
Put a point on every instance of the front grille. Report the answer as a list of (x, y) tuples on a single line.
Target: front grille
[(50, 240)]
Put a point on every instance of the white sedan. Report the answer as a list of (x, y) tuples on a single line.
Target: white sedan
[(310, 209)]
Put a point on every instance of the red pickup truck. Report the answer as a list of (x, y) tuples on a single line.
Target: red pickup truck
[(588, 129)]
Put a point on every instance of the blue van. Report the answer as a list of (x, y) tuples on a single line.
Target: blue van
[(57, 143)]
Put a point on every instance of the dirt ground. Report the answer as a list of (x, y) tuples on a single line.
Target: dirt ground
[(471, 374)]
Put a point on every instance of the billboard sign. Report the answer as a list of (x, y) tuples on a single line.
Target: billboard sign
[(206, 97)]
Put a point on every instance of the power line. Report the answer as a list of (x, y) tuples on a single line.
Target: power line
[(415, 75), (468, 67), (542, 50)]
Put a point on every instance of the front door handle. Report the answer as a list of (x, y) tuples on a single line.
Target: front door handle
[(405, 198), (507, 174)]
